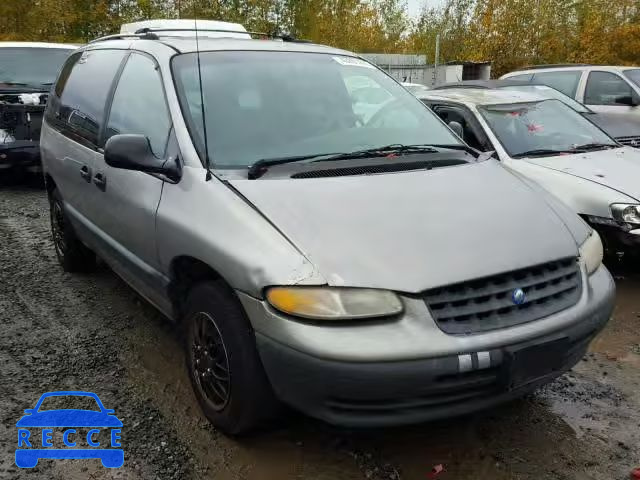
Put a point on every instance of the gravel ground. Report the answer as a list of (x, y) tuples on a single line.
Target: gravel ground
[(92, 332)]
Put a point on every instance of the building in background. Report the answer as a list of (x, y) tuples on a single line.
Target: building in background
[(416, 69)]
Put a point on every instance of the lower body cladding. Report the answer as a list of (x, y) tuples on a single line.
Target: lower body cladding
[(20, 157), (482, 372)]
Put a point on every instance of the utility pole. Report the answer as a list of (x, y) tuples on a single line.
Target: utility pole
[(436, 60)]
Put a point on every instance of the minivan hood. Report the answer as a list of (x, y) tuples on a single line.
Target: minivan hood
[(414, 230), (618, 169)]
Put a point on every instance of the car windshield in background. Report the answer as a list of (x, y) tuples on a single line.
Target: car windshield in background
[(551, 93), (633, 74), (286, 104), (547, 127), (30, 67)]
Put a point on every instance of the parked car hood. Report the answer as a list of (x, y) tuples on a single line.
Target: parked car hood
[(616, 125), (414, 230), (618, 169)]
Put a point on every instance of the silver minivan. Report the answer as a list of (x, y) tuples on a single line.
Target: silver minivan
[(368, 269)]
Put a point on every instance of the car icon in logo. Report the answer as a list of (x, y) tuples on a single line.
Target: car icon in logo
[(29, 452), (518, 296)]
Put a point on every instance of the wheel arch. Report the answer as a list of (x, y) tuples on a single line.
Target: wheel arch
[(185, 272)]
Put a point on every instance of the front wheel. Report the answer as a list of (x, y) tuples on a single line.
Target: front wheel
[(223, 362), (72, 254)]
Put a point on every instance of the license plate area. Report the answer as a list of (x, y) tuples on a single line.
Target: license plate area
[(528, 364)]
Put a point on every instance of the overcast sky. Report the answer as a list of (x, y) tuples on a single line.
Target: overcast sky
[(415, 6)]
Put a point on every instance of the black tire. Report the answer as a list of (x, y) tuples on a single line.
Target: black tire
[(72, 254), (248, 402)]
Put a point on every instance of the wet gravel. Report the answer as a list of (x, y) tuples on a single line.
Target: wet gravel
[(91, 332)]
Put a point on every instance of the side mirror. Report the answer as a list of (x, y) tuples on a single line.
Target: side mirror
[(133, 152), (29, 411), (632, 100), (457, 128)]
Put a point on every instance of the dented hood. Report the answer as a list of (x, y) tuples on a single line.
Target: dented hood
[(414, 230), (618, 169)]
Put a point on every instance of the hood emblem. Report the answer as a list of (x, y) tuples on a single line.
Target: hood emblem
[(518, 296)]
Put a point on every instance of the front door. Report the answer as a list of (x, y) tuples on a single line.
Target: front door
[(608, 92), (126, 202)]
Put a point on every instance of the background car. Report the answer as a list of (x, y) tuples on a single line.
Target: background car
[(603, 88), (549, 142), (27, 71), (624, 129), (415, 88)]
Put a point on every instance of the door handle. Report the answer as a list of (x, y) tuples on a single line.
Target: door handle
[(100, 180), (85, 172)]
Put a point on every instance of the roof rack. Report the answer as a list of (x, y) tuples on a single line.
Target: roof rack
[(119, 36), (152, 34), (283, 37), (556, 65)]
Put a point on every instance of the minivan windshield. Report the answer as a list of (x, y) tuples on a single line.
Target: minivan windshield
[(546, 127), (266, 104), (30, 67)]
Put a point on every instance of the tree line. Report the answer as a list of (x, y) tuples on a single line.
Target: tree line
[(510, 33)]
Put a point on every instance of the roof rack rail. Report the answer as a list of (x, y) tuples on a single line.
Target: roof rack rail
[(556, 65), (283, 37), (119, 36)]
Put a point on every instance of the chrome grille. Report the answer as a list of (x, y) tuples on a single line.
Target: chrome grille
[(633, 141), (487, 303)]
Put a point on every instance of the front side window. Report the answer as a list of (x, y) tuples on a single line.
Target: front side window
[(606, 88), (280, 104), (139, 105), (78, 103), (564, 81), (31, 67), (542, 128)]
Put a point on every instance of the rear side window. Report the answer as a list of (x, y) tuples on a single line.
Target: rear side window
[(77, 106), (565, 81), (605, 88), (139, 105)]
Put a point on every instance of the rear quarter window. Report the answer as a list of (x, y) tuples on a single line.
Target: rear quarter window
[(564, 81)]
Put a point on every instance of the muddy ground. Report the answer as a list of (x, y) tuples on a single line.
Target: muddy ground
[(92, 332)]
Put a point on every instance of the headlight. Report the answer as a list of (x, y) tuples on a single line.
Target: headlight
[(327, 303), (624, 212), (592, 252)]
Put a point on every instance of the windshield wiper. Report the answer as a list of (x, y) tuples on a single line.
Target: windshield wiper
[(541, 152), (260, 167), (594, 146), (380, 151)]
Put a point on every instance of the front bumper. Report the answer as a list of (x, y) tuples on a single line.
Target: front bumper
[(20, 156), (476, 374)]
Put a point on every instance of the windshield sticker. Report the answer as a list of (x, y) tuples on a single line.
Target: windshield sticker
[(533, 128), (352, 62)]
